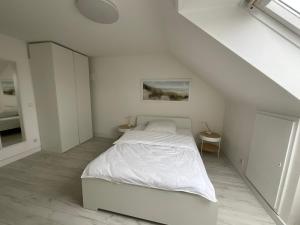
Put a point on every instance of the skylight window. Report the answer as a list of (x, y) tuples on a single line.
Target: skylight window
[(287, 12), (292, 5)]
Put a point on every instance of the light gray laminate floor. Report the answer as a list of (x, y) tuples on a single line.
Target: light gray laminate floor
[(45, 189)]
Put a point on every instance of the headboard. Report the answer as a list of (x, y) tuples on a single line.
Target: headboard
[(181, 122)]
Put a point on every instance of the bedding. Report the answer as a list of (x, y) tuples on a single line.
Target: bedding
[(7, 114), (155, 160), (162, 126), (160, 139), (182, 131), (9, 120)]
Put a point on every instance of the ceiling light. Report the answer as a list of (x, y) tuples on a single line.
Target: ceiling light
[(99, 11)]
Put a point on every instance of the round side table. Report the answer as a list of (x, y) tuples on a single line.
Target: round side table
[(123, 128), (210, 142)]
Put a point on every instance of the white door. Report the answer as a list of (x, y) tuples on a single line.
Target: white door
[(267, 155), (82, 77), (66, 96)]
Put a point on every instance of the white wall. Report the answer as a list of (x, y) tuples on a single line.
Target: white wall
[(239, 119), (223, 69), (238, 128), (116, 93), (16, 50), (232, 25)]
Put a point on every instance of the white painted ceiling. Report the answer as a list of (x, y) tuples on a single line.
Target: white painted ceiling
[(236, 79), (138, 30), (147, 26), (3, 64)]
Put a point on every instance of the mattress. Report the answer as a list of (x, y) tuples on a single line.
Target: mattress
[(7, 114), (155, 160)]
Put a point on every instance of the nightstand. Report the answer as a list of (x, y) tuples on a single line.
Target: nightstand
[(210, 142), (123, 128)]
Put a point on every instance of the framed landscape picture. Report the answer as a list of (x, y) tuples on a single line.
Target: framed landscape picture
[(166, 90), (8, 87)]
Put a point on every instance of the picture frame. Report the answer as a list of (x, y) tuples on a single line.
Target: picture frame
[(8, 87), (166, 90)]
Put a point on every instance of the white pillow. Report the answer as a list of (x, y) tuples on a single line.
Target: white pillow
[(161, 126)]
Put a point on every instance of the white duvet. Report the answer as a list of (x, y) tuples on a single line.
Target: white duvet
[(155, 160)]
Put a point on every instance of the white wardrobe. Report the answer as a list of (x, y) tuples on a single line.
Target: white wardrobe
[(62, 92), (269, 156)]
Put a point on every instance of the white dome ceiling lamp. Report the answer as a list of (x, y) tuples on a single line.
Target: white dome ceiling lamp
[(99, 11)]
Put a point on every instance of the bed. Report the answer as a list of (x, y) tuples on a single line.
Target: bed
[(162, 198), (9, 120)]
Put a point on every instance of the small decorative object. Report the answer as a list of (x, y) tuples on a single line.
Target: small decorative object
[(124, 128), (8, 87), (166, 90), (130, 121), (208, 131), (130, 124)]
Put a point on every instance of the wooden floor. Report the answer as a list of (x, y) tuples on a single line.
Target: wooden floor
[(45, 189)]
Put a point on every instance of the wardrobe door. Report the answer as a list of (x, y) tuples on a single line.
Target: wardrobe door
[(41, 64), (66, 96), (267, 156), (81, 68)]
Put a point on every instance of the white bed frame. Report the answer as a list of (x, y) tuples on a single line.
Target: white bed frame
[(165, 207), (8, 123)]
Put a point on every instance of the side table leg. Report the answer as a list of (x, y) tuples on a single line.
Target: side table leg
[(219, 150)]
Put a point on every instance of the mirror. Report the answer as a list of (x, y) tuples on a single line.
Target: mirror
[(11, 126)]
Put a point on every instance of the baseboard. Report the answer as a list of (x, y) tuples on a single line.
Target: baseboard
[(258, 196), (22, 155)]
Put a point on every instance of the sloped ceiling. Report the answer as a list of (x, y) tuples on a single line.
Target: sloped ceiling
[(233, 25), (223, 69), (138, 31), (148, 26)]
